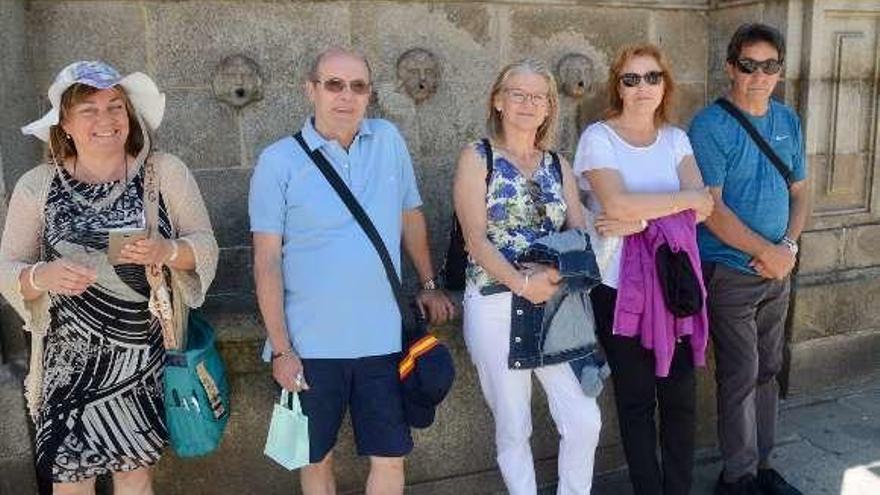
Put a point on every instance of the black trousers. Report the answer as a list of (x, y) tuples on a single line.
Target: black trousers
[(638, 393)]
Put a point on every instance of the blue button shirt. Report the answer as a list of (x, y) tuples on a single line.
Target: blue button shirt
[(751, 186), (337, 300)]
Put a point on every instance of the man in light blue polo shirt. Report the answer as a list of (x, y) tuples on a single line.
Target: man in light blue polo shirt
[(332, 321), (748, 247)]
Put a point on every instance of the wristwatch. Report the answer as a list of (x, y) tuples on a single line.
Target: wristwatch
[(790, 244), (429, 284)]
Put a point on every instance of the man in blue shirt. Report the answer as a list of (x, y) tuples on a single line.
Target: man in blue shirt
[(748, 246), (332, 321)]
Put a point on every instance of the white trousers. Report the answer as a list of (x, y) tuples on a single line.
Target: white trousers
[(508, 393)]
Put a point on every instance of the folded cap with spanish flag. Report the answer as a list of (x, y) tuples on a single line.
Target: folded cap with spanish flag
[(426, 375)]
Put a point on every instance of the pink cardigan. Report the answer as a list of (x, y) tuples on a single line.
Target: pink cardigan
[(640, 309)]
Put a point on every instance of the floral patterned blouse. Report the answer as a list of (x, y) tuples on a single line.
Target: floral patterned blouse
[(519, 211)]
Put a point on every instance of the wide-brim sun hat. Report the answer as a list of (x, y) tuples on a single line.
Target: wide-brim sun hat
[(143, 93)]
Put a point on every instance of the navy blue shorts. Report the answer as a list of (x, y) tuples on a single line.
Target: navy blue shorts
[(370, 387)]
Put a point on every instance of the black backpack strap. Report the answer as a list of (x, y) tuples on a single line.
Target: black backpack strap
[(360, 216), (490, 160), (557, 165), (759, 140)]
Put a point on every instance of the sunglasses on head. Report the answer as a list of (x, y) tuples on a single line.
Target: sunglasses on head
[(336, 85), (749, 66), (631, 79)]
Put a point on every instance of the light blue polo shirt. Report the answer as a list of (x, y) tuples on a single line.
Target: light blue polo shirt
[(337, 300), (751, 186)]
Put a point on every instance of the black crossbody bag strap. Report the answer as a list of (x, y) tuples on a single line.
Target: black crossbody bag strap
[(777, 162), (360, 216)]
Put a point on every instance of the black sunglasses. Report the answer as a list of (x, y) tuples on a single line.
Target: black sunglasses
[(631, 79), (336, 85), (749, 66)]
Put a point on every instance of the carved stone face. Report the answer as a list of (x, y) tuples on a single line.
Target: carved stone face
[(418, 73), (237, 81), (575, 74)]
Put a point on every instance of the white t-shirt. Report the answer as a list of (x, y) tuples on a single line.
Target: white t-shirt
[(647, 169)]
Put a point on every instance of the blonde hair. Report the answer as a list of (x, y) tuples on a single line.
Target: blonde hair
[(663, 114), (546, 135), (60, 147)]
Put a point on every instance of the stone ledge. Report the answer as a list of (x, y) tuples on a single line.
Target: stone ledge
[(831, 361)]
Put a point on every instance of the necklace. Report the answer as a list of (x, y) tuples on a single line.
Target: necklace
[(114, 194)]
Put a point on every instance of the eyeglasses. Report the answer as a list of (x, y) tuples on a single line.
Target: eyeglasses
[(631, 79), (520, 97), (535, 194), (749, 66), (336, 85)]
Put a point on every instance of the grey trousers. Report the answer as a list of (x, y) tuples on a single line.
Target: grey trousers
[(747, 324)]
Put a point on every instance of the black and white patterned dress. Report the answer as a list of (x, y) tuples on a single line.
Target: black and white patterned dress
[(102, 388)]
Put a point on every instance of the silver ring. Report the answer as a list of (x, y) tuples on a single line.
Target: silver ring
[(298, 380)]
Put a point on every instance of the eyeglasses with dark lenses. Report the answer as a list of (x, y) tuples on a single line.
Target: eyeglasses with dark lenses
[(336, 85), (631, 79), (536, 196), (770, 66)]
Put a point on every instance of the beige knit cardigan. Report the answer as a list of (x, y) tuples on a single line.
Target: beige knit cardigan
[(22, 237)]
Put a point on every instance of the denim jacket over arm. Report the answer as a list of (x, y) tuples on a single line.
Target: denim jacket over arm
[(640, 310), (562, 330)]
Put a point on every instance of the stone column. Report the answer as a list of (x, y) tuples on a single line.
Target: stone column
[(835, 329)]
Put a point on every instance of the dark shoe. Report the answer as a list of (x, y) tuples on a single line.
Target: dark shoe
[(745, 485), (772, 483)]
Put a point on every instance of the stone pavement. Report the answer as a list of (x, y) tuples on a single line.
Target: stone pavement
[(827, 444)]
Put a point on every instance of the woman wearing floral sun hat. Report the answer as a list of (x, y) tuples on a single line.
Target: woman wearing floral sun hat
[(94, 388)]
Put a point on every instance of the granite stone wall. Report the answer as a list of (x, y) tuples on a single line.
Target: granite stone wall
[(831, 77)]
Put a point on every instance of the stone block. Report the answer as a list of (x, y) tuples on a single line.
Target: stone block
[(200, 130), (602, 30), (861, 248), (820, 251), (684, 39), (61, 32), (282, 112), (226, 195), (189, 39), (691, 98), (234, 272), (830, 307), (18, 153), (833, 360), (461, 37)]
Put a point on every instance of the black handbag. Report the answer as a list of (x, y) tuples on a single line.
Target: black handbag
[(452, 273), (678, 281), (413, 324)]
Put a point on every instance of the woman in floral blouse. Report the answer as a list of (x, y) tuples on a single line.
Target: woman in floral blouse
[(524, 198)]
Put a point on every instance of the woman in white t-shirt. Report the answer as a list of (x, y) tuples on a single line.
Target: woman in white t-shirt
[(634, 167)]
